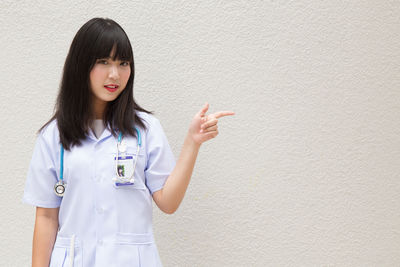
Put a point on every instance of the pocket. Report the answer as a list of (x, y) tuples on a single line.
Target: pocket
[(131, 149), (136, 250), (133, 239), (60, 256)]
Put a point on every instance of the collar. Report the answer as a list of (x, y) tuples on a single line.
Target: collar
[(106, 134)]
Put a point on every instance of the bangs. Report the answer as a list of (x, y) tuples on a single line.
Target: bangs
[(113, 37)]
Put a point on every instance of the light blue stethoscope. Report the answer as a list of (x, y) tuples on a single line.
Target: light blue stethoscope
[(59, 187)]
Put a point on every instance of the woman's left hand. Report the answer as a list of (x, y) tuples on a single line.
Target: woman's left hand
[(204, 127)]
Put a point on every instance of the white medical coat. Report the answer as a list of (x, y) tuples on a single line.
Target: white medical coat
[(112, 226)]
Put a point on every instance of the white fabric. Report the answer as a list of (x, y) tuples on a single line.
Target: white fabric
[(72, 251), (111, 226)]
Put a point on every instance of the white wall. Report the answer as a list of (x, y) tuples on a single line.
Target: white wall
[(307, 171)]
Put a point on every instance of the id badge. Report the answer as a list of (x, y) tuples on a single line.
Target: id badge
[(125, 171)]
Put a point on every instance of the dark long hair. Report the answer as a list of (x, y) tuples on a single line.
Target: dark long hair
[(73, 109)]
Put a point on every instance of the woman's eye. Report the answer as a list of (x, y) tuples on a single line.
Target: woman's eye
[(102, 61), (126, 63)]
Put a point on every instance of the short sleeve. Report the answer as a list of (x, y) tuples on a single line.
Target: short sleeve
[(42, 176), (160, 159)]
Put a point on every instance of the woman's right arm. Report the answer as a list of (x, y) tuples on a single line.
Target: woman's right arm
[(44, 236)]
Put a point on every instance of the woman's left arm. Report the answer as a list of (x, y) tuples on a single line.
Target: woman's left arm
[(202, 128)]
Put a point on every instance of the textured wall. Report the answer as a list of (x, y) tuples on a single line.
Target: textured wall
[(305, 174)]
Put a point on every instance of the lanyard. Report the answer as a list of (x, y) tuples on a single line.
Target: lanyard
[(121, 147), (59, 187)]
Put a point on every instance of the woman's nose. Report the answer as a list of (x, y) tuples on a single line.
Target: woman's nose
[(114, 72)]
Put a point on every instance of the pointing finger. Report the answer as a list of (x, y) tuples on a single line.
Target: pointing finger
[(223, 113)]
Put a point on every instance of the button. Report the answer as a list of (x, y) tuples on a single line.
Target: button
[(100, 242), (100, 210)]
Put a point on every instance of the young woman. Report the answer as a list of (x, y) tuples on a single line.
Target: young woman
[(101, 159)]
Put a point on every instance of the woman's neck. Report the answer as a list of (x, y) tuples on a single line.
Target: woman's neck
[(99, 108)]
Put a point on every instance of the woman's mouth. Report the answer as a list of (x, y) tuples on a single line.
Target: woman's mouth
[(111, 87)]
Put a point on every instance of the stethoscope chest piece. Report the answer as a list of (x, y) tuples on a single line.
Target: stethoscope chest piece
[(59, 188)]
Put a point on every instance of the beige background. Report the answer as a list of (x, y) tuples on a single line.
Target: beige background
[(306, 173)]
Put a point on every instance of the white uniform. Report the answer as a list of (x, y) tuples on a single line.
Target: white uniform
[(112, 226)]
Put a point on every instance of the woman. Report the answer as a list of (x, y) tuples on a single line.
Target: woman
[(88, 214)]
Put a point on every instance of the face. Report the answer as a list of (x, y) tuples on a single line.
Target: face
[(108, 79)]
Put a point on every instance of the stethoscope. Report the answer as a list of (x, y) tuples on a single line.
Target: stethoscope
[(59, 187)]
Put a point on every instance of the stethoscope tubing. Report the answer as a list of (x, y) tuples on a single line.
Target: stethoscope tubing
[(120, 136)]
